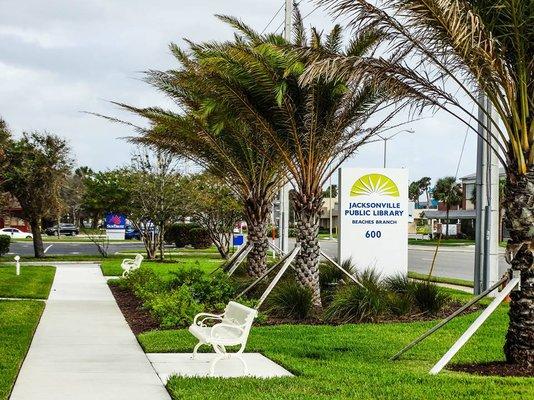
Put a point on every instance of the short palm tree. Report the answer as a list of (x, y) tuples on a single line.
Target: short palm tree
[(465, 46), (211, 137), (310, 125), (448, 191)]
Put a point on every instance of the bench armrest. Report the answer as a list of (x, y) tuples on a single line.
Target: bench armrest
[(206, 316)]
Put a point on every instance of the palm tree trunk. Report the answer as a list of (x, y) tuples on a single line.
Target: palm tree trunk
[(447, 226), (38, 247), (519, 218), (256, 215), (307, 213)]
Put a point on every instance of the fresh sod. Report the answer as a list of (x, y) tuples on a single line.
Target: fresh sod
[(34, 282), (352, 362), (18, 320), (207, 263)]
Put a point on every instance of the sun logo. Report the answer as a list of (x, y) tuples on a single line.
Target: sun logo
[(374, 184)]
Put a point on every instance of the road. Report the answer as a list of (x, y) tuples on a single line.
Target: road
[(73, 248), (452, 262)]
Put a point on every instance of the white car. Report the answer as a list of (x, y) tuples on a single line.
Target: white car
[(15, 233)]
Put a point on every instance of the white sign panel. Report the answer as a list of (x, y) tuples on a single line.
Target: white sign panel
[(373, 219)]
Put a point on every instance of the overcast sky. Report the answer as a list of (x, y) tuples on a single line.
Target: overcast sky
[(61, 57)]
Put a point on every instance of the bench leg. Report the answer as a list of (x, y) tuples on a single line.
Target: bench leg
[(196, 349), (215, 361)]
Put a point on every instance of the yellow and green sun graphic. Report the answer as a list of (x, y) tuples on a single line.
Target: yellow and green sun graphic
[(374, 184)]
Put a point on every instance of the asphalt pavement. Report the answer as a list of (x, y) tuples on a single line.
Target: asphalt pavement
[(72, 248), (452, 262)]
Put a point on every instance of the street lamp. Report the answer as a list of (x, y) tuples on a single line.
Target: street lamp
[(385, 139)]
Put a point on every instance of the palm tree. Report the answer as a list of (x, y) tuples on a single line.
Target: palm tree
[(448, 191), (465, 46), (310, 125), (216, 141)]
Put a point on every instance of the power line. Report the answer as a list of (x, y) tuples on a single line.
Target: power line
[(272, 19), (303, 18)]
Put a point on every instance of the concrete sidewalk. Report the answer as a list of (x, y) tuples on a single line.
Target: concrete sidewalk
[(83, 347)]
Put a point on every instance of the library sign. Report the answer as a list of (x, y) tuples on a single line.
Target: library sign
[(373, 219)]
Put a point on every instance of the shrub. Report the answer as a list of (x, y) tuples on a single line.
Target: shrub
[(395, 295), (144, 283), (5, 241), (429, 298), (352, 303), (214, 291), (176, 308), (199, 238), (291, 300), (180, 234), (329, 275)]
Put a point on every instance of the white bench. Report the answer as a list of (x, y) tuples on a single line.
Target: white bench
[(228, 329), (129, 265)]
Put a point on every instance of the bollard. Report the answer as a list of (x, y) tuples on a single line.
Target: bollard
[(17, 264)]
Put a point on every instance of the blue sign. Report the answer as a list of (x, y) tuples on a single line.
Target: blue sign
[(238, 240), (115, 221)]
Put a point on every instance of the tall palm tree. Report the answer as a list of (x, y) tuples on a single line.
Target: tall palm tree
[(309, 125), (465, 46), (448, 191)]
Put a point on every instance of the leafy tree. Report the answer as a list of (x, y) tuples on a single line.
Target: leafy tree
[(417, 188), (414, 191), (157, 197), (215, 208), (105, 191), (460, 47), (36, 167), (449, 192)]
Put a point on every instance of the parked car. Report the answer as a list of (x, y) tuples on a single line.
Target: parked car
[(131, 233), (64, 229), (15, 233)]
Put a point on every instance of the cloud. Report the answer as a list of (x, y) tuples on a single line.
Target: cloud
[(61, 57)]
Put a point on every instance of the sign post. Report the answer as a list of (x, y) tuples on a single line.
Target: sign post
[(373, 219), (115, 226)]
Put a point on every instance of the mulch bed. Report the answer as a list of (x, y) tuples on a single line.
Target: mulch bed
[(137, 317), (497, 368)]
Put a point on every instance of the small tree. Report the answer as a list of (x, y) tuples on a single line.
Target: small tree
[(449, 192), (104, 191), (215, 208), (36, 167), (157, 197)]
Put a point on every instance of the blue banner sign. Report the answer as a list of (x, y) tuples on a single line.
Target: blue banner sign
[(115, 221)]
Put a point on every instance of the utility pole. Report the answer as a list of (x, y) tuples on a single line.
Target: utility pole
[(486, 271), (283, 222)]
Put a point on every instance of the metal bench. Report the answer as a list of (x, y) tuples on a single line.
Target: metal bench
[(228, 329), (129, 265)]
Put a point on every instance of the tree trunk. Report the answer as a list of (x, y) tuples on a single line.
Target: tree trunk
[(447, 226), (38, 247), (307, 214), (519, 218), (256, 215)]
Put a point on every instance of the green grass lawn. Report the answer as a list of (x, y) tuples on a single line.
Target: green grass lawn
[(65, 257), (351, 362), (34, 282), (444, 242), (18, 320), (206, 262), (441, 279)]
